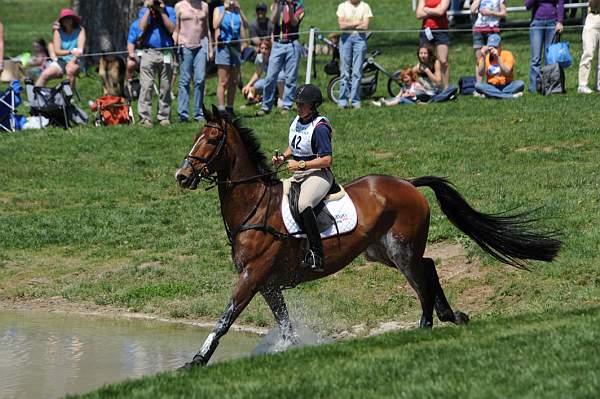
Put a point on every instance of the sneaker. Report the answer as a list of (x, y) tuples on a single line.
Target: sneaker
[(584, 90), (284, 111), (261, 112), (279, 103), (377, 103), (165, 122), (356, 106), (517, 95), (145, 123), (477, 94)]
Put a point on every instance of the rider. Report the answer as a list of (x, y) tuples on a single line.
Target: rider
[(311, 152)]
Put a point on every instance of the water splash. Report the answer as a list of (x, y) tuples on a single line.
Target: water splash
[(304, 335)]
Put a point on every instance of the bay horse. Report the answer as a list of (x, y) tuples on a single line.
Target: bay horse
[(393, 223)]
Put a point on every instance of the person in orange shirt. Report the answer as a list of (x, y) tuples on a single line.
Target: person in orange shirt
[(498, 66)]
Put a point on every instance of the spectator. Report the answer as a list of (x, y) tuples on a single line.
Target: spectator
[(228, 21), (353, 18), (489, 13), (262, 28), (68, 44), (428, 70), (498, 65), (1, 47), (590, 38), (256, 85), (40, 59), (286, 16), (133, 61), (156, 24), (434, 30), (408, 93), (193, 36), (546, 20)]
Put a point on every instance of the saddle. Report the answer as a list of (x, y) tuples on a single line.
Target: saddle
[(325, 219)]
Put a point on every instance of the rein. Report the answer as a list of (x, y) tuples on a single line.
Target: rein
[(214, 182)]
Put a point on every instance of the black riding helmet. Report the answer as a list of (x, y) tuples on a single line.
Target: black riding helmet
[(308, 93)]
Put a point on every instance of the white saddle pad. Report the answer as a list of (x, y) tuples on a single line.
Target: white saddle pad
[(342, 210)]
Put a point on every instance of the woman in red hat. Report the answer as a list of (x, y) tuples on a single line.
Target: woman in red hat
[(69, 41)]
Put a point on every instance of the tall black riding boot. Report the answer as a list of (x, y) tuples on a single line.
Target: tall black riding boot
[(314, 256)]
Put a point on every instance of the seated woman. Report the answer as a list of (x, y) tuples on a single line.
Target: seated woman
[(40, 59), (68, 43), (408, 94), (428, 70), (255, 86)]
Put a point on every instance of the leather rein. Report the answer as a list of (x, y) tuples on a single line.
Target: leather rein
[(204, 174)]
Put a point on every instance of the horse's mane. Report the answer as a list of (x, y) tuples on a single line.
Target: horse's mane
[(252, 144)]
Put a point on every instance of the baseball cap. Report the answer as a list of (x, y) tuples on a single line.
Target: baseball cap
[(493, 40)]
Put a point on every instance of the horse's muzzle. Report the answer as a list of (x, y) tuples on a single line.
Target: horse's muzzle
[(186, 181)]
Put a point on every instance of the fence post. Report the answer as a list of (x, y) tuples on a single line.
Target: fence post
[(311, 51)]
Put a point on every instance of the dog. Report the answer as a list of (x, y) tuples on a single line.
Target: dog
[(112, 72)]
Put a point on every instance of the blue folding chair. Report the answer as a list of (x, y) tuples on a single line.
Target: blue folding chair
[(10, 99)]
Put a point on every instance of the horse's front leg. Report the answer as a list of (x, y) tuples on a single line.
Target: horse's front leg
[(274, 298), (244, 291)]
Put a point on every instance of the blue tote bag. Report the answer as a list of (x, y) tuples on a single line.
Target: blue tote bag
[(558, 53)]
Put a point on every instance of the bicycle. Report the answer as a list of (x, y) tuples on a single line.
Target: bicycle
[(370, 70)]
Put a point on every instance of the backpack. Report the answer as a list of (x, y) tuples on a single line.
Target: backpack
[(552, 80), (466, 85), (111, 110)]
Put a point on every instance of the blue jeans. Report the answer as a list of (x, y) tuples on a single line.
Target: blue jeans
[(192, 64), (502, 91), (284, 56), (444, 95), (352, 54), (540, 36)]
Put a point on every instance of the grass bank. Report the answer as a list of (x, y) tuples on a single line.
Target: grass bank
[(530, 356), (93, 215)]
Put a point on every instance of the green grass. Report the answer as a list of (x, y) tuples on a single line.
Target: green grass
[(94, 215), (531, 356)]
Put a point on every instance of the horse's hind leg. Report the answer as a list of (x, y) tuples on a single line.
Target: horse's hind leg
[(442, 307), (274, 298)]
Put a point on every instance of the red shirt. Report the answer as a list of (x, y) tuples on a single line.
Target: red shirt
[(435, 22)]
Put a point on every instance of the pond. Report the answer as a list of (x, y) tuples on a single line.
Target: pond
[(49, 355)]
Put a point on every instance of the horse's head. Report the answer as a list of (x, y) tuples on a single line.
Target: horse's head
[(205, 157)]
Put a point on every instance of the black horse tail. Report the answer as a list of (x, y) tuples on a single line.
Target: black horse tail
[(505, 237)]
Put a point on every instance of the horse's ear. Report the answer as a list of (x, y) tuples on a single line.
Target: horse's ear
[(216, 114), (207, 115)]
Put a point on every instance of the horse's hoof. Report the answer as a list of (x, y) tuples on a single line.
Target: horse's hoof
[(461, 318), (426, 324)]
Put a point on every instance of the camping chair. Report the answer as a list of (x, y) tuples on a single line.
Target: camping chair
[(54, 104), (9, 101)]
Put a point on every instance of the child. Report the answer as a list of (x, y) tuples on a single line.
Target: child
[(408, 94)]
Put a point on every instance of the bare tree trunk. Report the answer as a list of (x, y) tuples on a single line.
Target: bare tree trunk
[(106, 23)]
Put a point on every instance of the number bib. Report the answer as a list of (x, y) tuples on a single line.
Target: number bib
[(300, 138)]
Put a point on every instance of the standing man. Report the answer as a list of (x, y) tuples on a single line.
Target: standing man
[(353, 17), (262, 28), (157, 25), (286, 16)]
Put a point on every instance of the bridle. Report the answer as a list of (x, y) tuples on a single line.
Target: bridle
[(204, 172)]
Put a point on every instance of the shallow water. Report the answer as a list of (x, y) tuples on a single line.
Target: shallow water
[(49, 355)]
